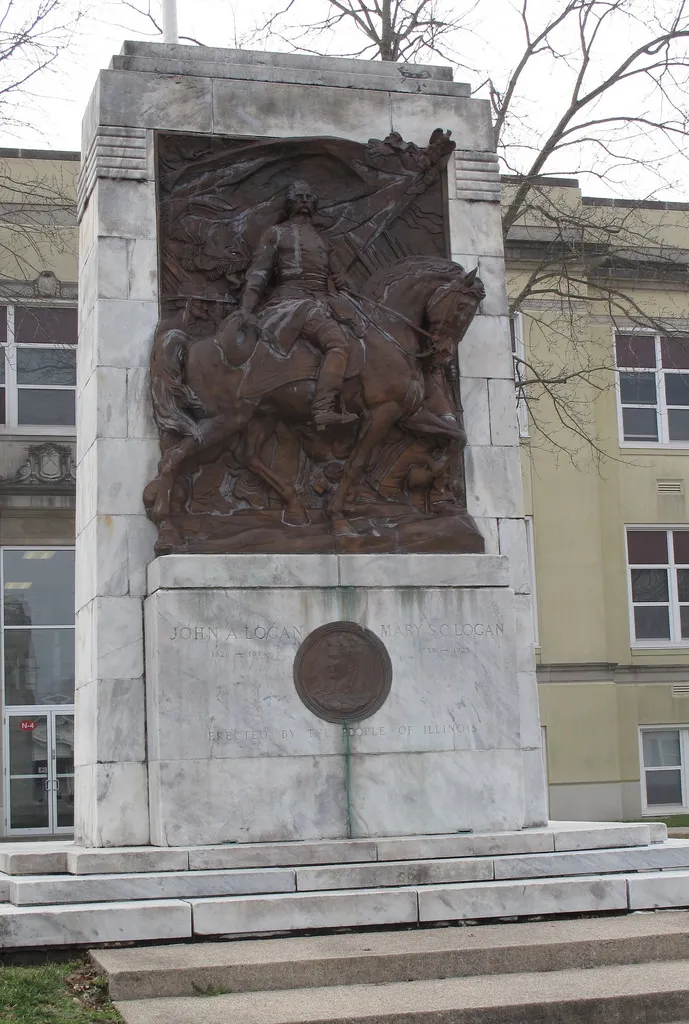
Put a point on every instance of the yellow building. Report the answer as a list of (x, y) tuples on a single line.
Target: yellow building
[(609, 537), (38, 334)]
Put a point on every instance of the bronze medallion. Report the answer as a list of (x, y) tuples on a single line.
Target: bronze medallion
[(342, 672)]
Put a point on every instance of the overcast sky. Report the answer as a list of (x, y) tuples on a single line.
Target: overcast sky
[(60, 96)]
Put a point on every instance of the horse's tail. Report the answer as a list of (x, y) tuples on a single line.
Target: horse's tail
[(174, 402)]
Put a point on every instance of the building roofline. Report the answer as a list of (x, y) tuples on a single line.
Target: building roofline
[(633, 204), (39, 154), (624, 204), (541, 179)]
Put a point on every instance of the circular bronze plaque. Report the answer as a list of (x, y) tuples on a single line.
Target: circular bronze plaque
[(342, 672)]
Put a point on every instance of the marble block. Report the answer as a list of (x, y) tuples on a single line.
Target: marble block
[(230, 740), (368, 876), (87, 923), (299, 911), (522, 898), (653, 891), (147, 886)]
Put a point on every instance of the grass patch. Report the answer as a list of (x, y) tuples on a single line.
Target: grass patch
[(671, 820), (71, 992)]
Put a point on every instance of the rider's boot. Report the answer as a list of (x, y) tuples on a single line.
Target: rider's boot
[(325, 413)]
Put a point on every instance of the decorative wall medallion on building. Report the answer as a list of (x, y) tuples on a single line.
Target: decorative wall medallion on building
[(48, 464), (342, 672), (48, 469)]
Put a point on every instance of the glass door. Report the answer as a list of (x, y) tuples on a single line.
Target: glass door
[(39, 771), (63, 771)]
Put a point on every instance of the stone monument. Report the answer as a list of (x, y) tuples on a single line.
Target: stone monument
[(302, 580)]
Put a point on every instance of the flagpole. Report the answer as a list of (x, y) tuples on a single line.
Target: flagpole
[(170, 21)]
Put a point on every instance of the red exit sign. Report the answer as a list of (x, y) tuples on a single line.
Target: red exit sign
[(27, 725)]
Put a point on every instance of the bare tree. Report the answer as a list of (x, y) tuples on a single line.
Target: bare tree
[(37, 199), (394, 30), (33, 35), (595, 88)]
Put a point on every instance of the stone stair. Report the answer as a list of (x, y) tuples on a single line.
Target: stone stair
[(62, 894), (623, 969)]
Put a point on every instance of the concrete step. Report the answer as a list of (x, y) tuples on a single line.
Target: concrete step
[(392, 956), (599, 995)]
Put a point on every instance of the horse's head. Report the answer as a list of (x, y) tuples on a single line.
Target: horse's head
[(450, 310)]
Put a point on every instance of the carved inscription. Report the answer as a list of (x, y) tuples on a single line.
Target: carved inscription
[(346, 679)]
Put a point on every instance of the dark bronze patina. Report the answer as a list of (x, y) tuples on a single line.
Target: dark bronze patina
[(303, 375), (342, 672)]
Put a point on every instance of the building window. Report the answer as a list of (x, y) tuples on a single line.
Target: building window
[(653, 389), (38, 368), (38, 626), (530, 554), (664, 769), (517, 338), (658, 563)]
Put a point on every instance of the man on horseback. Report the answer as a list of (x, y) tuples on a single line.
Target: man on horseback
[(297, 268)]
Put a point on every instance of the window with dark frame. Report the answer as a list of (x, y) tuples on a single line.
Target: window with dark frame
[(658, 563), (663, 753), (38, 371), (653, 374)]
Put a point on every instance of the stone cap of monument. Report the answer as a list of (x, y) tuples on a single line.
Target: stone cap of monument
[(369, 570), (291, 68)]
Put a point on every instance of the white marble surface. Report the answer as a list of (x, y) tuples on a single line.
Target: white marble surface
[(422, 570), (657, 891), (493, 480), (502, 403), (212, 571), (369, 876), (475, 227), (203, 572), (236, 800), (85, 924), (592, 862), (29, 858), (478, 845), (244, 914), (519, 899), (491, 270), (578, 835), (442, 753), (52, 889), (430, 791), (513, 545), (451, 652), (111, 722), (486, 348), (111, 804), (247, 855), (83, 861), (474, 395)]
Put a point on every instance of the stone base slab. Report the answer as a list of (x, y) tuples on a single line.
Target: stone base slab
[(170, 894), (231, 744)]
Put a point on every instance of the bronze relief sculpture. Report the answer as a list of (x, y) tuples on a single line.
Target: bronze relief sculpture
[(303, 374)]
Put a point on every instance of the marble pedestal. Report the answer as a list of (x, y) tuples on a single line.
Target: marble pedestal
[(235, 756)]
